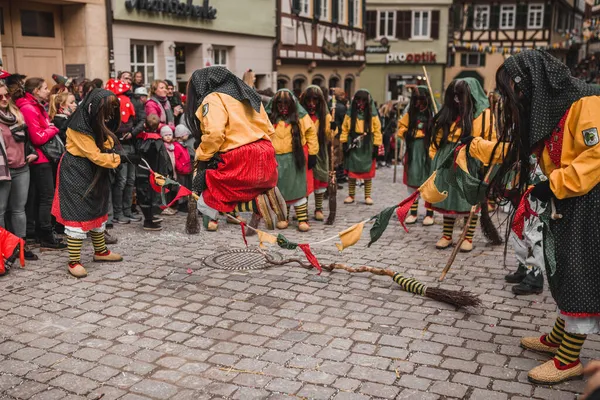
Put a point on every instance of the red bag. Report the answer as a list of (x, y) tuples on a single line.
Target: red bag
[(9, 246)]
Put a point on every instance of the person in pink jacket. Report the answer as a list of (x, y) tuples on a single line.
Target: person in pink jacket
[(41, 192), (158, 104)]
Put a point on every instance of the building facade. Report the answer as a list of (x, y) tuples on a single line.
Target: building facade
[(402, 37), (170, 40), (320, 42), (485, 33), (42, 38)]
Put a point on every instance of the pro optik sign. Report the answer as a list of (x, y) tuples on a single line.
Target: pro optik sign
[(175, 7), (428, 57)]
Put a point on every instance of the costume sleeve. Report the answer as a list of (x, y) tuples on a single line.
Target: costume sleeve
[(403, 126), (310, 135), (213, 121), (377, 135), (329, 133), (345, 130), (432, 149), (83, 145), (482, 150), (581, 175)]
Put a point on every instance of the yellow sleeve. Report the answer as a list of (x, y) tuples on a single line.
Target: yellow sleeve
[(310, 135), (329, 134), (83, 145), (213, 121), (403, 126), (432, 149), (581, 175), (345, 130), (376, 128), (482, 150)]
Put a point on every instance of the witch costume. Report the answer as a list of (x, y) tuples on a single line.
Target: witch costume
[(295, 181), (237, 169), (564, 134), (79, 204)]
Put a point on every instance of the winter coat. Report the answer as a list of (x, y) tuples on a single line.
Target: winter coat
[(183, 164), (38, 124)]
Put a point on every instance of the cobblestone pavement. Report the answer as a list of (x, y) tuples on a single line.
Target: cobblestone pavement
[(162, 325)]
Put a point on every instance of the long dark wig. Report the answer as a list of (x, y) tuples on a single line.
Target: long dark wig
[(189, 111), (285, 97), (367, 114), (313, 92), (413, 113), (458, 102)]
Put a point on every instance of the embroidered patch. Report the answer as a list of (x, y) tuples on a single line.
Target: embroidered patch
[(205, 110), (590, 136)]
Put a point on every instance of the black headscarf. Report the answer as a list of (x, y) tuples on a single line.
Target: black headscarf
[(87, 111), (548, 85), (218, 79)]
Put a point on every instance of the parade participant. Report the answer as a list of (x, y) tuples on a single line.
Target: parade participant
[(361, 137), (237, 169), (314, 102), (81, 196), (552, 114), (465, 113), (296, 145), (412, 128)]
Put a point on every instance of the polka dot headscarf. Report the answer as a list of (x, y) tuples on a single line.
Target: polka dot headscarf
[(120, 88), (87, 111)]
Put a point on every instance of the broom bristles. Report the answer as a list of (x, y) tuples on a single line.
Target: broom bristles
[(488, 228), (191, 224), (453, 297)]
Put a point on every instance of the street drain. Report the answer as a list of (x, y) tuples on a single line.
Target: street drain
[(239, 260)]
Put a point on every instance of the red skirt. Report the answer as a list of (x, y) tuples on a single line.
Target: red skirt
[(320, 185), (243, 174), (310, 180), (364, 175)]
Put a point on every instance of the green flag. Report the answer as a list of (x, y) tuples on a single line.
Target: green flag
[(381, 222)]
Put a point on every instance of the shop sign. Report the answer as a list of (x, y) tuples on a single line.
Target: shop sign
[(428, 57), (75, 71), (171, 69), (339, 48), (379, 49), (175, 7)]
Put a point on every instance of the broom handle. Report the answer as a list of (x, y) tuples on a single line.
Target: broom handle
[(429, 87), (396, 151)]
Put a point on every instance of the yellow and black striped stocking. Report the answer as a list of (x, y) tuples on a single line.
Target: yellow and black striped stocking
[(98, 242), (558, 331), (74, 247), (472, 227), (414, 208), (429, 212), (351, 187), (319, 201), (302, 212), (570, 348), (448, 226), (368, 188), (248, 206)]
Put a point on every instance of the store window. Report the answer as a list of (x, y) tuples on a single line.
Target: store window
[(481, 18), (421, 23), (535, 16), (142, 60), (324, 15), (180, 60), (220, 56), (386, 24), (472, 60), (37, 23), (508, 16)]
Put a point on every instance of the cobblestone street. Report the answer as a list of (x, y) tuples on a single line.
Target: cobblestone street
[(161, 325)]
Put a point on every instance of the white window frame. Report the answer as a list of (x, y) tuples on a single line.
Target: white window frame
[(507, 10), (357, 13), (341, 12), (305, 8), (324, 10), (386, 25), (421, 36), (485, 24), (145, 64), (535, 10), (220, 50), (474, 65)]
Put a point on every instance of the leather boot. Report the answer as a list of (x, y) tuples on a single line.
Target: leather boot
[(531, 284), (518, 275)]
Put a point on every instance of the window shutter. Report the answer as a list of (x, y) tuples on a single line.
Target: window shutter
[(296, 7), (470, 16), (350, 12), (522, 16), (317, 7), (435, 24), (463, 59), (482, 60), (371, 25), (495, 17), (335, 11), (403, 24), (451, 59), (456, 13), (547, 16)]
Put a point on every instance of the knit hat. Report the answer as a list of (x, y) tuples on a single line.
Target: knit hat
[(181, 130), (61, 79), (166, 131), (141, 91)]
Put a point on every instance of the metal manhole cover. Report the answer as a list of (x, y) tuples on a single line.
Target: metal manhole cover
[(239, 259)]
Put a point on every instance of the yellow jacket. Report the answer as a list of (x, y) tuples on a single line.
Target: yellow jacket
[(329, 134), (360, 129), (578, 172), (227, 124), (282, 138), (476, 132), (82, 145), (403, 128)]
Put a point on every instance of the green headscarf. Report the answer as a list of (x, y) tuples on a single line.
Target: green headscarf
[(318, 89), (374, 112), (481, 101), (424, 91), (299, 109)]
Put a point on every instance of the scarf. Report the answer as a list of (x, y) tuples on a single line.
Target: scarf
[(301, 111), (480, 100), (119, 89), (16, 130), (166, 113), (548, 84), (87, 111), (220, 80)]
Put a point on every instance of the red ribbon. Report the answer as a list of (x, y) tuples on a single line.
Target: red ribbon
[(523, 212), (404, 208), (182, 192), (243, 226), (305, 247)]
